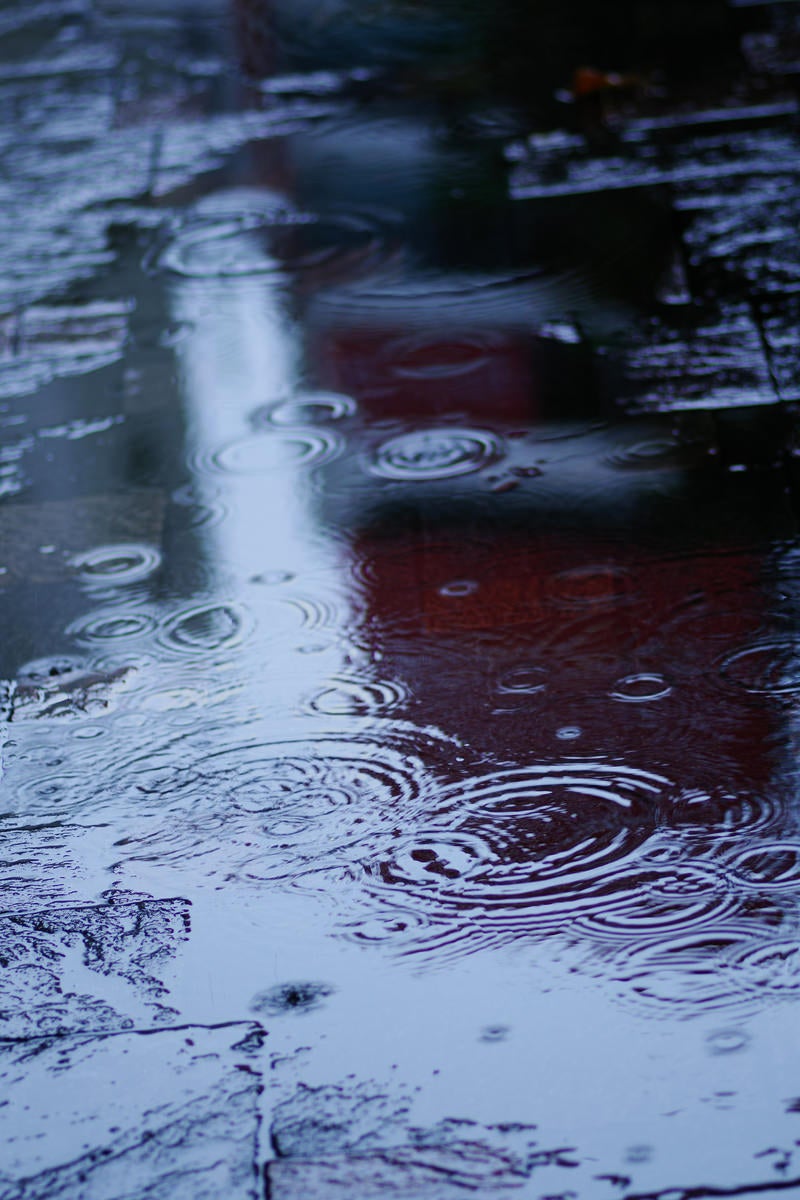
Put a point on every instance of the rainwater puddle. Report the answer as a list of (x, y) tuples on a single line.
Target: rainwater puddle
[(398, 703)]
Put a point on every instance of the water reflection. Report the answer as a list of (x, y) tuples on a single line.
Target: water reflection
[(383, 617)]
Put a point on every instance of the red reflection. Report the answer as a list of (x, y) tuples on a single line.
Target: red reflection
[(552, 644)]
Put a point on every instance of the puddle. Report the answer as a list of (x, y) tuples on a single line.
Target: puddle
[(398, 538)]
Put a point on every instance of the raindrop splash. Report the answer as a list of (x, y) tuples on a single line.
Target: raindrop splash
[(430, 454)]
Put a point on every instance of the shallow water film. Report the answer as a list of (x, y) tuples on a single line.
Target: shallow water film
[(400, 591)]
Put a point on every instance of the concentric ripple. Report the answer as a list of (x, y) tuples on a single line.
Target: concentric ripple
[(591, 586), (205, 627), (112, 625), (277, 451), (661, 901), (358, 698), (305, 408), (520, 851), (771, 969), (318, 612), (769, 866), (264, 811), (117, 565), (253, 243), (522, 680), (768, 668), (716, 815), (428, 454), (641, 688), (724, 964), (48, 795)]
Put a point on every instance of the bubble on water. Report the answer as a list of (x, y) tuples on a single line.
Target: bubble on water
[(277, 452), (358, 698), (205, 627), (638, 1154), (291, 998), (568, 733), (429, 454), (523, 680), (495, 1033), (305, 408), (116, 565), (769, 668), (641, 688), (516, 852), (112, 624)]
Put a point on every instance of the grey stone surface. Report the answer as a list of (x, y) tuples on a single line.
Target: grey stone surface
[(714, 359), (359, 1137), (41, 862), (170, 1115), (97, 968)]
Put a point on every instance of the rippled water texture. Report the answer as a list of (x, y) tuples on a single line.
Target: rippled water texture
[(399, 584)]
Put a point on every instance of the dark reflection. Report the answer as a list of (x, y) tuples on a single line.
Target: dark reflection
[(516, 48)]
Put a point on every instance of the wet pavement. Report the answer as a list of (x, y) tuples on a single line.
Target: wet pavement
[(399, 573)]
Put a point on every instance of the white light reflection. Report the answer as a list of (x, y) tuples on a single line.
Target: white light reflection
[(243, 354)]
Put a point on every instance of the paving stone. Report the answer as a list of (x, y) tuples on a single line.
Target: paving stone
[(715, 360), (741, 234), (315, 1122), (707, 149), (171, 1115), (64, 970), (42, 863), (57, 688), (360, 1137), (52, 341), (404, 1173), (780, 315)]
